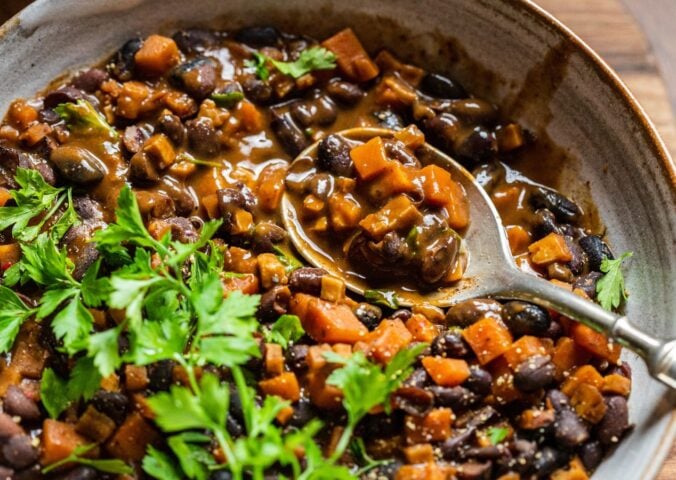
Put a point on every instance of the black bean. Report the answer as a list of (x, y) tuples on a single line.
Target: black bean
[(194, 40), (78, 165), (258, 37), (382, 425), (368, 314), (389, 119), (134, 137), (333, 155), (438, 256), (397, 151), (439, 86), (142, 171), (451, 447), (478, 145), (19, 452), (319, 110), (615, 422), (8, 427), (197, 77), (466, 313), (113, 404), (401, 314), (172, 127), (474, 110), (579, 261), (18, 404), (394, 248), (533, 373), (563, 208), (413, 400), (236, 409), (90, 80), (477, 418), (233, 426), (545, 223), (557, 399), (47, 115), (32, 473), (182, 229), (344, 92), (85, 252), (220, 475), (81, 473), (570, 430), (296, 356), (449, 344), (202, 137), (266, 235), (161, 375), (596, 250), (458, 398), (184, 202), (547, 460), (257, 90), (289, 135), (419, 378), (474, 471), (307, 280), (122, 65), (479, 381), (6, 473), (591, 455), (303, 412), (587, 283), (523, 453), (61, 95), (490, 452), (274, 302), (524, 318)]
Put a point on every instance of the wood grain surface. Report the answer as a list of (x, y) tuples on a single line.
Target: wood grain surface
[(612, 32)]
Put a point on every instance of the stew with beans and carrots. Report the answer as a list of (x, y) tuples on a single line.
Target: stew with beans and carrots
[(155, 321)]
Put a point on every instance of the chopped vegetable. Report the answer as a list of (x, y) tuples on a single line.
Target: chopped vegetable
[(286, 330), (310, 60), (82, 118), (227, 99), (497, 434), (386, 298), (106, 465), (610, 289)]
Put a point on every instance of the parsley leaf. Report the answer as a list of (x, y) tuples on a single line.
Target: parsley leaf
[(107, 466), (314, 58), (257, 64), (160, 465), (289, 261), (497, 434), (73, 324), (84, 119), (54, 393), (57, 393), (227, 99), (285, 331), (13, 313), (386, 298), (610, 289)]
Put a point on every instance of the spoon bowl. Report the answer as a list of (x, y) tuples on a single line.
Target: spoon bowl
[(491, 270)]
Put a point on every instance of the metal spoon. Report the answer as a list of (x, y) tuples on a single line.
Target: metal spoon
[(491, 271)]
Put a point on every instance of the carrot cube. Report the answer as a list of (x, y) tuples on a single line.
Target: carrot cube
[(447, 372), (387, 339), (370, 159), (436, 183), (488, 338), (433, 427), (284, 385), (549, 249), (421, 328), (457, 206), (595, 342), (524, 348), (326, 321), (157, 55), (351, 58), (59, 439)]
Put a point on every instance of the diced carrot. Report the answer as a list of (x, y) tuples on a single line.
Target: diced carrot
[(588, 403), (210, 204), (586, 374), (488, 338), (575, 471), (326, 321), (519, 238), (9, 376), (568, 355), (111, 383), (240, 260), (616, 384), (141, 405), (344, 211), (420, 453), (351, 58), (421, 328), (130, 441), (28, 354), (535, 418), (157, 55), (271, 270), (333, 289), (435, 426), (22, 114), (274, 359), (250, 117), (321, 394), (9, 254), (35, 133), (447, 372), (370, 159), (5, 196), (131, 102), (549, 249), (506, 197), (389, 63), (424, 471), (509, 137), (524, 348), (313, 206), (285, 415), (245, 283), (58, 440), (436, 183), (394, 92), (270, 187), (396, 179), (136, 377), (399, 213), (95, 425), (503, 388), (457, 207), (387, 339), (160, 150), (284, 385), (411, 136), (595, 342)]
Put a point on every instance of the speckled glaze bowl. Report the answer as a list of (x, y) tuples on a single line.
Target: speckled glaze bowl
[(509, 51)]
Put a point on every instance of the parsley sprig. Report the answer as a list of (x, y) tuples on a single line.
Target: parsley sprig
[(105, 465), (610, 289), (82, 118), (309, 60)]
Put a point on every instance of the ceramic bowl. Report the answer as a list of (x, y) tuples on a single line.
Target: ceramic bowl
[(509, 51)]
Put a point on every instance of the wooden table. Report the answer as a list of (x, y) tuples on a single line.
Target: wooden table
[(610, 30)]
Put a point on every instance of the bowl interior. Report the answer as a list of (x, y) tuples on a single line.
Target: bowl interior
[(504, 50)]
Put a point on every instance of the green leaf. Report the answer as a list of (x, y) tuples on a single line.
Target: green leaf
[(85, 379), (95, 291), (73, 324), (194, 459), (386, 298), (258, 65), (610, 290), (364, 460), (289, 261), (234, 315), (82, 118), (107, 465), (13, 313), (227, 351), (159, 465), (53, 298), (227, 99), (54, 393), (104, 349), (497, 434), (285, 331), (154, 341), (45, 264), (314, 58)]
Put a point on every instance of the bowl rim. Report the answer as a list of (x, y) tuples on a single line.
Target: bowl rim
[(610, 77)]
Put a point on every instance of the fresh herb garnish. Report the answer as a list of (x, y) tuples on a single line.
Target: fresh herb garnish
[(186, 157), (289, 261), (358, 450), (314, 58), (84, 119), (497, 434), (13, 313), (610, 290), (227, 99), (386, 298), (107, 466), (286, 330)]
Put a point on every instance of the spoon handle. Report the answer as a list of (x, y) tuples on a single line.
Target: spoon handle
[(659, 355)]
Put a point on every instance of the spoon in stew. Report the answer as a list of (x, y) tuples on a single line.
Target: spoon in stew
[(491, 270)]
